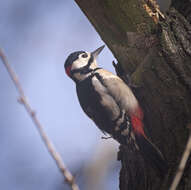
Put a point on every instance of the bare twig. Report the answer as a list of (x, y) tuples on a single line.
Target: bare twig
[(23, 100), (182, 164)]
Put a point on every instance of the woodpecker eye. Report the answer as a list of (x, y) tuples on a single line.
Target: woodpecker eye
[(85, 55)]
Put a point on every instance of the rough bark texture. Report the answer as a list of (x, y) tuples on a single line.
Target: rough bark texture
[(158, 58)]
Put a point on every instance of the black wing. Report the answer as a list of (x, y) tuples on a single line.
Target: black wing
[(97, 103)]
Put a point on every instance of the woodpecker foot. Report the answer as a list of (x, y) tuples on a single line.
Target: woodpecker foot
[(125, 77), (105, 138)]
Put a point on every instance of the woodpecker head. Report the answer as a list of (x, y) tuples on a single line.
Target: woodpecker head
[(80, 64)]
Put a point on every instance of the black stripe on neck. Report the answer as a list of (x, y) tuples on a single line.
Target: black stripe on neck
[(90, 76)]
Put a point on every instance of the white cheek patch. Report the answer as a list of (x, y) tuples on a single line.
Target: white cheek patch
[(80, 62)]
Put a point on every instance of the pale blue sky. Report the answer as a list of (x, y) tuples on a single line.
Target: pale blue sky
[(37, 36)]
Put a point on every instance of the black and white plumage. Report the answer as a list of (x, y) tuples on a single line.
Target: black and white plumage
[(111, 104)]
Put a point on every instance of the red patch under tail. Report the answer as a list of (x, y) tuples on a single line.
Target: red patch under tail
[(150, 152), (137, 124)]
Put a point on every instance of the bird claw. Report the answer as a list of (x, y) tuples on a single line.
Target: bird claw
[(105, 138)]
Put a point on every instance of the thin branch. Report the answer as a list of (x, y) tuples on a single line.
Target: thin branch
[(182, 164), (23, 100)]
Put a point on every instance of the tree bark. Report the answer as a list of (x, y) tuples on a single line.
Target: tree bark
[(156, 53)]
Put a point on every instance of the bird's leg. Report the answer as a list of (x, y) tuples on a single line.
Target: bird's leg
[(129, 126), (105, 138), (106, 135)]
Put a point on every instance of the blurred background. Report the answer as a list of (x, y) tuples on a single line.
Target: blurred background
[(37, 37)]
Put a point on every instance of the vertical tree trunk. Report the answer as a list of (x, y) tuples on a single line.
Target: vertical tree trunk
[(157, 55)]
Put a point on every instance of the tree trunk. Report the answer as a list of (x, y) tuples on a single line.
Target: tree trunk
[(156, 53)]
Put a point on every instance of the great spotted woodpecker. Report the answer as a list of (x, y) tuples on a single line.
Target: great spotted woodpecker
[(111, 104)]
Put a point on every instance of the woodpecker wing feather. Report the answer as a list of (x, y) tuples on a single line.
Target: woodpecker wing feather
[(118, 90), (97, 103)]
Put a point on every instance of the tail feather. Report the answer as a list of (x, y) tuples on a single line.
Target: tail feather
[(152, 155), (150, 152)]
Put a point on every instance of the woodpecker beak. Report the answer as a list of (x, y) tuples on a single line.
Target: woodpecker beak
[(97, 51)]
